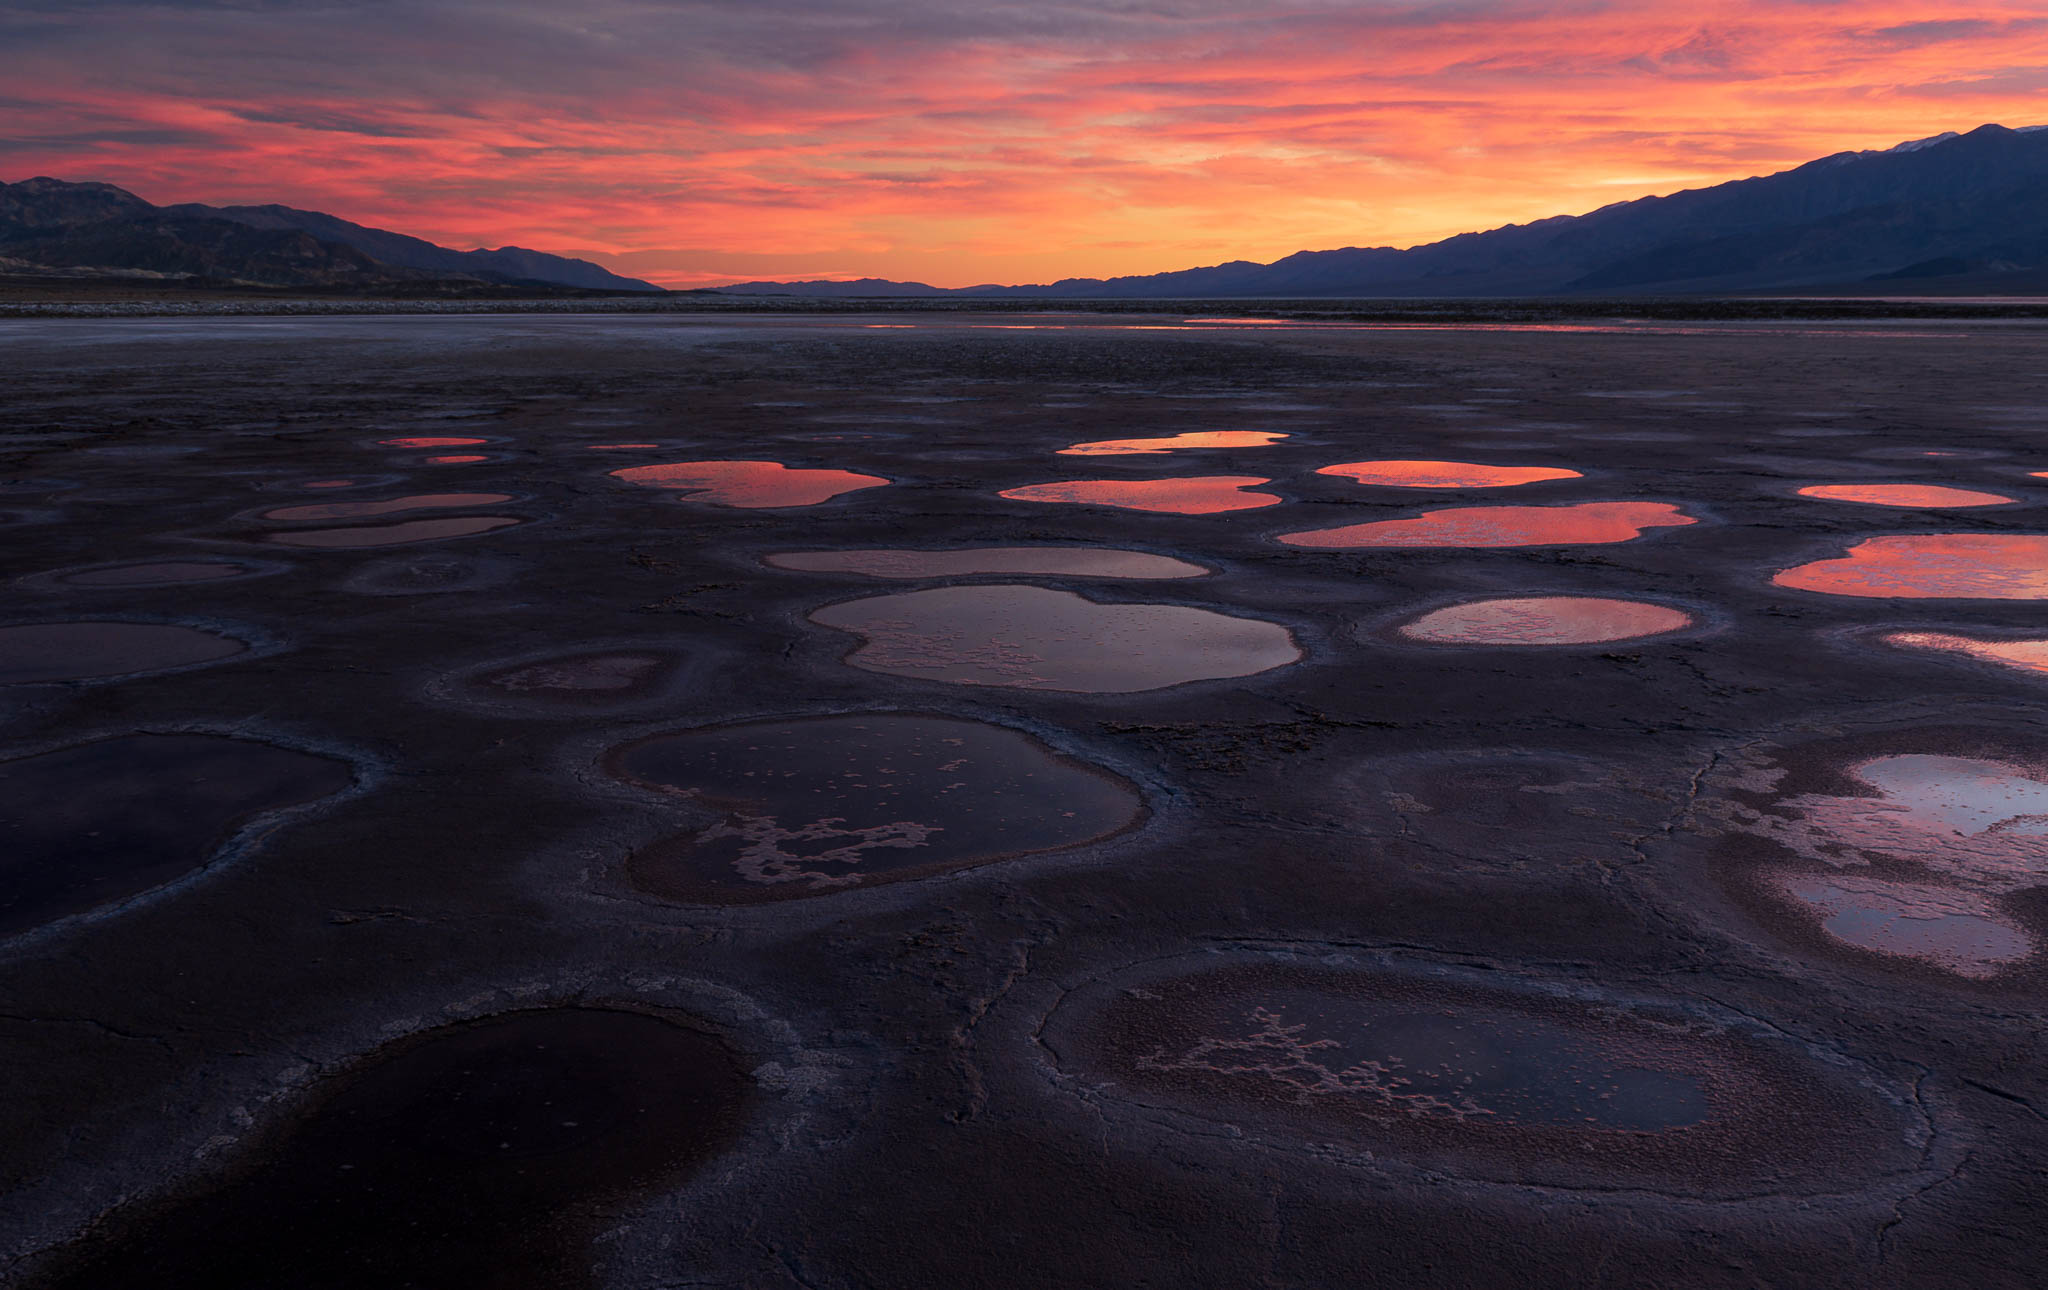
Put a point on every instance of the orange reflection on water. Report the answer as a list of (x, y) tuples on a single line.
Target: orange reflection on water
[(1195, 495), (429, 441), (1916, 496), (1583, 524), (2027, 655), (461, 459), (1961, 566), (749, 484), (1444, 474), (1173, 443), (1545, 620)]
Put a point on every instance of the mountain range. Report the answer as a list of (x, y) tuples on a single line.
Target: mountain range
[(1966, 209), (88, 229), (1956, 206)]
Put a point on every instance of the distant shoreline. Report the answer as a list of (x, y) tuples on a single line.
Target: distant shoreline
[(45, 298)]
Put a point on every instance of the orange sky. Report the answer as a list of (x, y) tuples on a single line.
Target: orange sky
[(693, 142)]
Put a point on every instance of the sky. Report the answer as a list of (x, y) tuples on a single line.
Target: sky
[(955, 142)]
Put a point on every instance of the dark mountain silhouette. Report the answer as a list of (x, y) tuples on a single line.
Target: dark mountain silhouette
[(506, 264), (98, 228), (1973, 204), (51, 224)]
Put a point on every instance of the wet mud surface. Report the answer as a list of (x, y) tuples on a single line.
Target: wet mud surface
[(614, 887), (465, 1156), (829, 803), (83, 651), (89, 826)]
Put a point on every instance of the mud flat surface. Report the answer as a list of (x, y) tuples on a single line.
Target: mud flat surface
[(432, 861)]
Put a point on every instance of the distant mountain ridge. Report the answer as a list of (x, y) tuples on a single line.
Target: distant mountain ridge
[(98, 228), (510, 263), (1973, 203)]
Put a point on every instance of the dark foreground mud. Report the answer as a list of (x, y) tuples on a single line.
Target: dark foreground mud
[(433, 861)]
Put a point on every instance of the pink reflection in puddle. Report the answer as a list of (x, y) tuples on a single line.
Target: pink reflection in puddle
[(363, 510), (623, 447), (462, 459), (393, 534), (2027, 655), (1444, 474), (1040, 639), (1912, 496), (1587, 523), (1195, 495), (1173, 443), (1959, 566), (430, 441), (329, 483), (1545, 620), (1973, 820), (1051, 561), (1953, 930), (749, 484), (1915, 865)]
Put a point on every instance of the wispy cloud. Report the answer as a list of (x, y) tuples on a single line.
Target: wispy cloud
[(956, 141)]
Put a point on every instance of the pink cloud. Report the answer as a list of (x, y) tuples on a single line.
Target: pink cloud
[(1000, 142)]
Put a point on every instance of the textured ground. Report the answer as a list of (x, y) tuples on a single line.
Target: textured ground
[(1411, 966)]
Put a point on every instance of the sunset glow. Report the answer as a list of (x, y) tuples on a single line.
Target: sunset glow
[(710, 142)]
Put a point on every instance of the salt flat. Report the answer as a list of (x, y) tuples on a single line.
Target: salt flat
[(463, 878)]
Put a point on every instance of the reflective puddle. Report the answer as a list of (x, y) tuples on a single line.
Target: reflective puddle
[(393, 506), (1959, 566), (1584, 524), (624, 447), (83, 651), (820, 804), (459, 459), (155, 574), (749, 484), (1040, 639), (1926, 798), (1048, 561), (92, 825), (1956, 931), (1926, 497), (1911, 856), (430, 441), (486, 1153), (371, 535), (1452, 1071), (1445, 474), (2027, 655), (1545, 620), (329, 483), (1173, 443), (1194, 495)]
